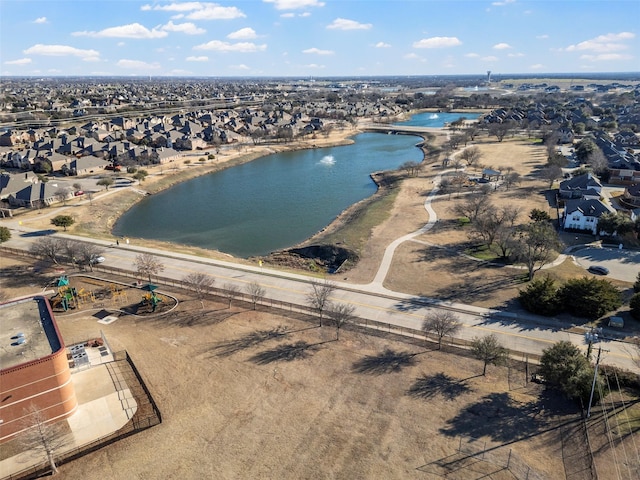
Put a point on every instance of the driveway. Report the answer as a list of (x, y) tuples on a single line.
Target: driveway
[(622, 264)]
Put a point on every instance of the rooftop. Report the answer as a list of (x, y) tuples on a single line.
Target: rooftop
[(27, 331)]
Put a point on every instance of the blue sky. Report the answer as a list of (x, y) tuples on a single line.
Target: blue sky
[(316, 38)]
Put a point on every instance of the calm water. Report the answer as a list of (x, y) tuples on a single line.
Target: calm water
[(270, 203), (276, 201), (429, 119)]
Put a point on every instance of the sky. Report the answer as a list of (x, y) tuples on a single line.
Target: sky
[(317, 38)]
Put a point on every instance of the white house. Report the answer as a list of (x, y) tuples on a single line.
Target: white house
[(584, 214)]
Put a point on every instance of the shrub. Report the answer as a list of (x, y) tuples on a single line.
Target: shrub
[(636, 285), (565, 367), (634, 303), (540, 297), (624, 378), (589, 297)]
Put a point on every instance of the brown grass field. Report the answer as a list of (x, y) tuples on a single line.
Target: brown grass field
[(261, 394), (249, 394)]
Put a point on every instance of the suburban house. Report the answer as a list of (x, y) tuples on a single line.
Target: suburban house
[(583, 214), (582, 186), (631, 196), (34, 195)]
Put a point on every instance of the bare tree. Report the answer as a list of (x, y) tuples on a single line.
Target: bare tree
[(535, 245), (442, 324), (551, 174), (47, 247), (340, 314), (231, 292), (489, 351), (71, 250), (412, 168), (147, 265), (501, 130), (493, 225), (511, 178), (200, 284), (598, 162), (87, 253), (318, 297), (62, 194), (43, 439), (256, 293), (458, 181), (471, 155), (474, 206)]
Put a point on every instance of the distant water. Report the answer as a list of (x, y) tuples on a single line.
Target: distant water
[(271, 203), (440, 119)]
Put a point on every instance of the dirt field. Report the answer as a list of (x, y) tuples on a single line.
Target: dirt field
[(248, 394), (265, 394)]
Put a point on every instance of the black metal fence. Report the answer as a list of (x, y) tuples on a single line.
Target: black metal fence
[(240, 296), (146, 416)]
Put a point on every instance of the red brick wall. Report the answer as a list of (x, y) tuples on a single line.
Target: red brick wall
[(45, 383)]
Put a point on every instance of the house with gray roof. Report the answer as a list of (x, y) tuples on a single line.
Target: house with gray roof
[(581, 214), (581, 186)]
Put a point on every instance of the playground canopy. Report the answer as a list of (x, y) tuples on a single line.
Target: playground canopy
[(149, 287)]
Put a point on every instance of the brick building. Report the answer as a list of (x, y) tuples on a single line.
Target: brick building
[(34, 368)]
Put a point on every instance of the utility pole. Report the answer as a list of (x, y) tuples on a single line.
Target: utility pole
[(593, 385)]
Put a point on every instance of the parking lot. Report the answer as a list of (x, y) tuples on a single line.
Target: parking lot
[(622, 264)]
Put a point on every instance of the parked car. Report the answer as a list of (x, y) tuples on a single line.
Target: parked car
[(78, 193), (598, 270), (97, 259)]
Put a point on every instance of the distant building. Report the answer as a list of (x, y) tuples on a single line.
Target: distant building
[(34, 369)]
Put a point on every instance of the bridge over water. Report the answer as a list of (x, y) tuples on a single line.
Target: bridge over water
[(399, 129)]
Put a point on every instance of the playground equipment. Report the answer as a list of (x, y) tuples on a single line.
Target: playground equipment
[(85, 296), (65, 298), (151, 299)]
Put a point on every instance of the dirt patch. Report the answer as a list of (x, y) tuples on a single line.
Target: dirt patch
[(268, 394)]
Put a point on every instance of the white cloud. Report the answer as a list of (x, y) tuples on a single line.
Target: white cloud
[(20, 61), (542, 37), (345, 24), (242, 66), (516, 55), (382, 45), (132, 30), (41, 20), (294, 4), (315, 66), (317, 51), (503, 3), (611, 42), (471, 55), (187, 28), (178, 72), (199, 10), (412, 56), (137, 65), (246, 33), (537, 66), (62, 51), (437, 42), (490, 58), (288, 15), (216, 12), (606, 57), (201, 58), (501, 46), (121, 44), (241, 47)]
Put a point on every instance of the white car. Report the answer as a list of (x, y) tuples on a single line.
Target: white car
[(97, 259)]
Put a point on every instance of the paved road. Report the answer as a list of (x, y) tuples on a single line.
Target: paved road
[(622, 264), (521, 334)]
